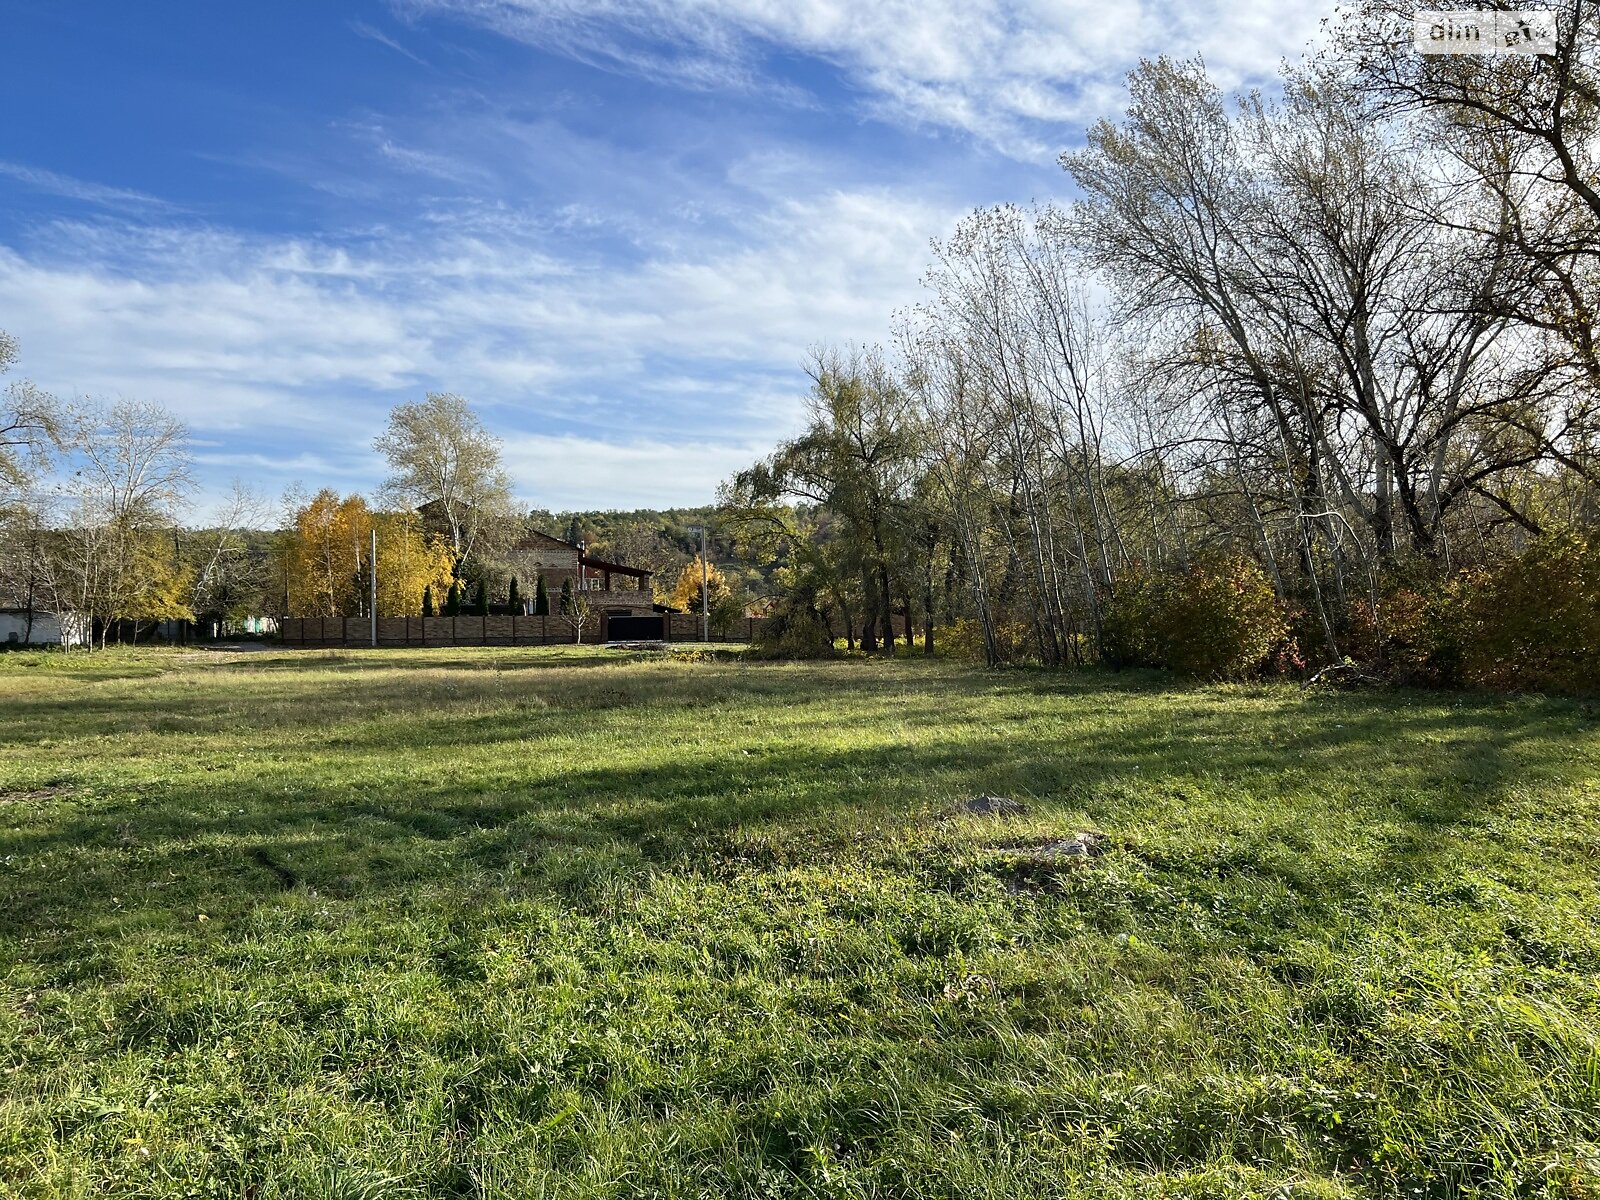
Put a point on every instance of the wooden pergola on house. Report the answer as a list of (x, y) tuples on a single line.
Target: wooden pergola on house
[(635, 579), (614, 587)]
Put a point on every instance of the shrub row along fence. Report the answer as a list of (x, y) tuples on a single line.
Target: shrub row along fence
[(491, 630)]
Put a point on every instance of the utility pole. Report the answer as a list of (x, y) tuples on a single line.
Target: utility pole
[(372, 569), (705, 613), (177, 564)]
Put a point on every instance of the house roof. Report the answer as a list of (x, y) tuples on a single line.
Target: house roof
[(533, 535), (599, 564), (615, 568)]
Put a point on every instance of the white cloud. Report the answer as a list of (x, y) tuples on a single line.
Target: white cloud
[(54, 184), (997, 69), (290, 347), (594, 473), (635, 329), (362, 29)]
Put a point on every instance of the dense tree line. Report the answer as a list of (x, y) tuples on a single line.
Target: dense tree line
[(1339, 340)]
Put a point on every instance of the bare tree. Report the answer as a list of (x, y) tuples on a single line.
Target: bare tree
[(1035, 374), (131, 472), (442, 457), (1525, 131), (1322, 294), (29, 427), (30, 563), (578, 613)]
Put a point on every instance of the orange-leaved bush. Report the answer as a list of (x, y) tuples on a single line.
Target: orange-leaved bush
[(1218, 619), (1532, 623), (1410, 637)]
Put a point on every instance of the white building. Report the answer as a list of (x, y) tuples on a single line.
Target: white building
[(19, 626)]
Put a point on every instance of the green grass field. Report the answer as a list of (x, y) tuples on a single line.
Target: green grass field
[(573, 923)]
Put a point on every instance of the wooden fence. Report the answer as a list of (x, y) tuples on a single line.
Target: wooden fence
[(489, 631), (508, 630)]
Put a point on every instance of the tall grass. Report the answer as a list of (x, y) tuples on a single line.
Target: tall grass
[(573, 923)]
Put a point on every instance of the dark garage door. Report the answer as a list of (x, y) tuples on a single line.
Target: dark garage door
[(635, 629)]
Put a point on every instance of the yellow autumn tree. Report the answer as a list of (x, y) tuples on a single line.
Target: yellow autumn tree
[(686, 594), (323, 553), (139, 578), (409, 561), (326, 559), (158, 585)]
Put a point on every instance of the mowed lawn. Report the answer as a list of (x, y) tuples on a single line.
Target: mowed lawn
[(533, 923)]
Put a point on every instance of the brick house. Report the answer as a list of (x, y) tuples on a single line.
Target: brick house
[(626, 590), (611, 588)]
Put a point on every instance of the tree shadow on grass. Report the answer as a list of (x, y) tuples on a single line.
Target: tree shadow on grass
[(438, 658), (225, 846), (274, 701)]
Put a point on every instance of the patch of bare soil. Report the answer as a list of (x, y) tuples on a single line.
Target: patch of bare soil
[(34, 795), (993, 806)]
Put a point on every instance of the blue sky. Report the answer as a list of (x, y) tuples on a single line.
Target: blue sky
[(615, 226)]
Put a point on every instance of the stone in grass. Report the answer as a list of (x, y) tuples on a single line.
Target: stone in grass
[(994, 806), (1079, 845), (1030, 868)]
